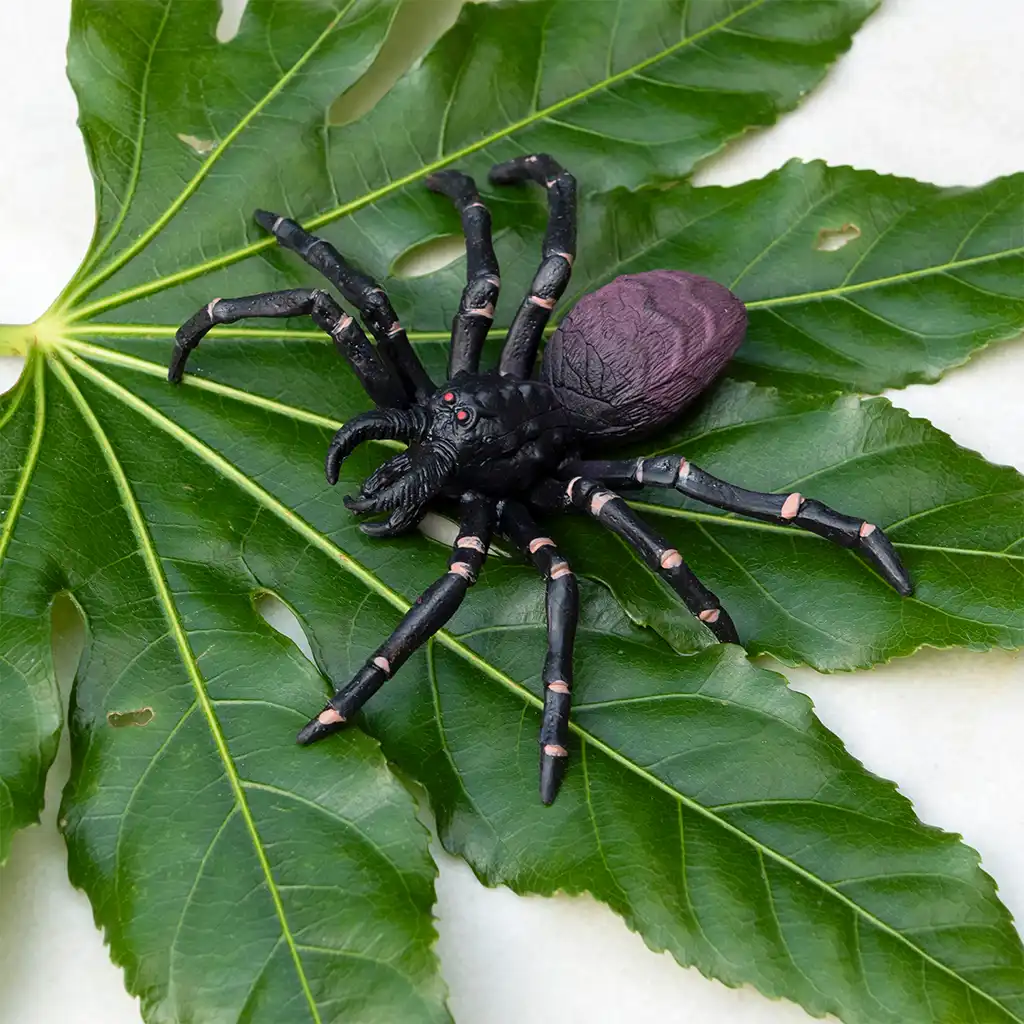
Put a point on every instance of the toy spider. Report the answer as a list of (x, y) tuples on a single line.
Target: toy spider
[(625, 361)]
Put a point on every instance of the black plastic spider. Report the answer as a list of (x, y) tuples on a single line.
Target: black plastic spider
[(625, 361)]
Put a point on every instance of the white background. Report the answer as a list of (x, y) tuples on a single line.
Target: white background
[(933, 89)]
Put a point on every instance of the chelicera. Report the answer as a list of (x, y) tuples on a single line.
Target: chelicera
[(625, 361)]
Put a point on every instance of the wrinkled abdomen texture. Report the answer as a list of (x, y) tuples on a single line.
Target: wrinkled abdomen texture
[(632, 355)]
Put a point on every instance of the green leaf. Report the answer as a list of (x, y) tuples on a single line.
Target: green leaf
[(705, 803), (30, 705), (855, 281), (167, 513), (710, 809), (165, 105), (923, 276)]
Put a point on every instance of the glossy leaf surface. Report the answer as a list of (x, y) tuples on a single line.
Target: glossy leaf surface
[(956, 520), (705, 803), (166, 514), (855, 281), (560, 75)]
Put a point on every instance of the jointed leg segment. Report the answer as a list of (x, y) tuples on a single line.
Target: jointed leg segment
[(588, 496), (559, 251), (786, 509), (562, 614), (476, 308), (362, 291), (434, 608), (375, 371)]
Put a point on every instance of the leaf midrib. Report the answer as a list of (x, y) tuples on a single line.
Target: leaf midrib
[(152, 560), (116, 358), (136, 170), (230, 472), (78, 325), (159, 284)]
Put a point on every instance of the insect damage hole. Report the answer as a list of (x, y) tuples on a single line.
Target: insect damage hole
[(122, 719), (201, 146), (230, 19), (427, 257), (417, 25), (279, 616), (831, 239), (444, 531)]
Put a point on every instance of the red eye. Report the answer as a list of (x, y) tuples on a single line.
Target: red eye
[(448, 396), (462, 415)]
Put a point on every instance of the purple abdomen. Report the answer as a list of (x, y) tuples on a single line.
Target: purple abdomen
[(632, 355)]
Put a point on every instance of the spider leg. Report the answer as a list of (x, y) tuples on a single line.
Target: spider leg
[(787, 509), (431, 611), (587, 495), (362, 291), (559, 250), (563, 606), (476, 308), (373, 369)]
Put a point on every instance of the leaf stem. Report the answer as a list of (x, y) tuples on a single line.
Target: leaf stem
[(16, 339), (21, 339)]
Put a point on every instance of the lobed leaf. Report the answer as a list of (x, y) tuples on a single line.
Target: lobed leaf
[(30, 705), (955, 519), (855, 281), (563, 75), (705, 803)]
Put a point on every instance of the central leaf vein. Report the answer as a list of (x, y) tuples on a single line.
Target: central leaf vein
[(197, 179), (155, 571), (116, 358), (35, 444)]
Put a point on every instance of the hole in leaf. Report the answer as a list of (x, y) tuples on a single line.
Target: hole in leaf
[(67, 639), (122, 719), (279, 616), (11, 369), (429, 256), (201, 146), (831, 239), (230, 19), (439, 528), (444, 530), (417, 25)]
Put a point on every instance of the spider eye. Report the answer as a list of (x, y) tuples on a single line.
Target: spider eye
[(448, 396), (462, 415)]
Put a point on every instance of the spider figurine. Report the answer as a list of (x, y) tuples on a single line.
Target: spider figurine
[(625, 361)]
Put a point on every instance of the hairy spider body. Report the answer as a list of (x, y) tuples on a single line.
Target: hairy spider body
[(625, 361)]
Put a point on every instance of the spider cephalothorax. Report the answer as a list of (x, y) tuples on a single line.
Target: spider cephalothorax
[(625, 361)]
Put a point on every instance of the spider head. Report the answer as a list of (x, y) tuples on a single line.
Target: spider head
[(470, 423), (464, 416)]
